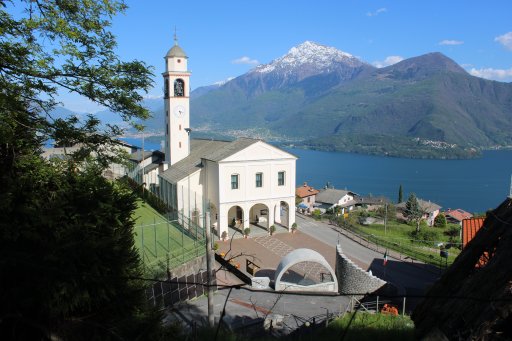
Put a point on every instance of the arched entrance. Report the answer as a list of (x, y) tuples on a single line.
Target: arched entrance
[(282, 214), (259, 216), (305, 278), (236, 218)]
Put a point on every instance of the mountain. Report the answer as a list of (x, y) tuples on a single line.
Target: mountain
[(319, 97)]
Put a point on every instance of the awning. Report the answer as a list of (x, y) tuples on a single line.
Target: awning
[(302, 205)]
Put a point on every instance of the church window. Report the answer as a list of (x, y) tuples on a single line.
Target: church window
[(280, 178), (180, 144), (259, 179), (167, 128), (167, 113), (166, 87), (179, 88), (180, 126), (234, 181)]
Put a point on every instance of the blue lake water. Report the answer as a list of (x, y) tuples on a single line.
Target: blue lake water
[(474, 185)]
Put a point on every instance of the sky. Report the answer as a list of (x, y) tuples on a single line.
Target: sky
[(225, 39)]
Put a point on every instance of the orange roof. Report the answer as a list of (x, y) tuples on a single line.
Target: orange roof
[(458, 214), (305, 191), (469, 229)]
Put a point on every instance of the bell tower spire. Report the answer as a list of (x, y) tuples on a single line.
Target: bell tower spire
[(176, 104)]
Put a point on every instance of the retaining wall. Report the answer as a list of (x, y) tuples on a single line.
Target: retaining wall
[(352, 279)]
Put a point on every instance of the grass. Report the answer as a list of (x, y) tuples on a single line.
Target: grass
[(364, 326), (160, 242), (398, 235)]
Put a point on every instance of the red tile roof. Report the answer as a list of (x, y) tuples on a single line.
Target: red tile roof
[(469, 228), (458, 214), (305, 191)]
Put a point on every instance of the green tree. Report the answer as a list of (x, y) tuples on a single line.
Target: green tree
[(440, 220), (400, 194), (388, 212), (67, 259), (413, 211)]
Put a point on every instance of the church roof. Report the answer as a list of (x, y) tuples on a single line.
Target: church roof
[(230, 149), (212, 150), (176, 51)]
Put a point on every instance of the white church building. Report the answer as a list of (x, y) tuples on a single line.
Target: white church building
[(242, 182)]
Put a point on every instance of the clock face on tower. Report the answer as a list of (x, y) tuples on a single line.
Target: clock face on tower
[(179, 111)]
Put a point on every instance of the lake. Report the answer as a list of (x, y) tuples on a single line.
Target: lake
[(474, 185)]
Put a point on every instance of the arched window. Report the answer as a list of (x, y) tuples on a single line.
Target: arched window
[(179, 88)]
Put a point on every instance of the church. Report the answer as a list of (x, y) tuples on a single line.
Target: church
[(241, 183)]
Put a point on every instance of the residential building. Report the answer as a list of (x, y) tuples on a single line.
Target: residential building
[(307, 194), (329, 198), (430, 210), (456, 216)]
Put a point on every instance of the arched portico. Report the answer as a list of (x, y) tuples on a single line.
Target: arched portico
[(259, 215), (298, 256), (236, 217)]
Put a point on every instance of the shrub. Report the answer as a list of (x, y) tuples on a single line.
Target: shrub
[(317, 214), (215, 246), (247, 231), (425, 236), (440, 220), (272, 229)]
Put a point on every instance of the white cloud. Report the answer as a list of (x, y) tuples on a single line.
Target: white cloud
[(377, 12), (505, 40), (245, 60), (451, 42), (493, 74), (388, 61)]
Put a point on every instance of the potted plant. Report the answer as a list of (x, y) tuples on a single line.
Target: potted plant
[(247, 231), (233, 223), (215, 246), (272, 229), (224, 235), (294, 227)]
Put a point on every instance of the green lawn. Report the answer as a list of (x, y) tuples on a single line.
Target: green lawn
[(398, 235), (159, 241)]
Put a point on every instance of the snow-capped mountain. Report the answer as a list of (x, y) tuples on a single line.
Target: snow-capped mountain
[(312, 56), (303, 61)]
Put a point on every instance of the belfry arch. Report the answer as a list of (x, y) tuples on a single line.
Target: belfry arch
[(298, 256)]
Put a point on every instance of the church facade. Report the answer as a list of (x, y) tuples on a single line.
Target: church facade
[(241, 183)]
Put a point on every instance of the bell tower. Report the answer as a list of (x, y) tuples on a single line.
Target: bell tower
[(176, 104)]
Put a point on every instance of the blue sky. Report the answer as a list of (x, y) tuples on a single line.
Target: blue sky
[(227, 38)]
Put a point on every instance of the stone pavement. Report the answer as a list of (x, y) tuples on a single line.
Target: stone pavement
[(267, 251)]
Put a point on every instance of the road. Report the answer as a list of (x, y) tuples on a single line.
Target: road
[(245, 307), (411, 279)]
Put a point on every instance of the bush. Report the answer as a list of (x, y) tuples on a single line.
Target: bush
[(317, 214), (247, 231), (440, 220), (425, 236), (272, 229)]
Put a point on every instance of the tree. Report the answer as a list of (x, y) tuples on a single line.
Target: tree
[(64, 45), (400, 194), (413, 211), (68, 264), (440, 220), (388, 212)]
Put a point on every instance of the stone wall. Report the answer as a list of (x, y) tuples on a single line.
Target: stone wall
[(352, 279)]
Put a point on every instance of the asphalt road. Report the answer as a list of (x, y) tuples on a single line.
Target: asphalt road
[(411, 279), (245, 308)]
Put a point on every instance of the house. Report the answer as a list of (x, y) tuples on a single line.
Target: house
[(430, 210), (456, 216), (241, 182), (307, 194), (114, 170), (329, 198), (470, 227)]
